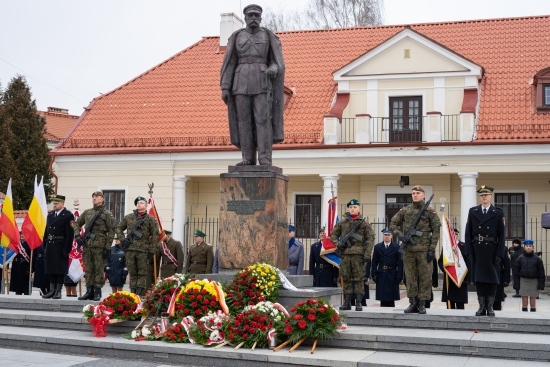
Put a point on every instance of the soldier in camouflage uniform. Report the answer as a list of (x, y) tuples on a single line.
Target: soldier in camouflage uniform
[(98, 244), (354, 257), (138, 251), (418, 259)]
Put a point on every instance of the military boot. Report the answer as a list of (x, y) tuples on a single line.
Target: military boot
[(51, 292), (490, 311), (413, 306), (421, 307), (481, 310), (358, 306), (133, 290), (88, 295), (58, 288), (347, 303), (97, 294)]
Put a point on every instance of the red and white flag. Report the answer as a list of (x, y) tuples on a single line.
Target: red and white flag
[(152, 211), (453, 261)]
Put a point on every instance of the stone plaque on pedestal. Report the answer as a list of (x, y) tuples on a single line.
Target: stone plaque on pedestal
[(253, 222)]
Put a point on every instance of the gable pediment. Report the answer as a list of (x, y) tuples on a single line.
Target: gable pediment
[(407, 54)]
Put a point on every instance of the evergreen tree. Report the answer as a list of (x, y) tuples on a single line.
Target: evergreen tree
[(24, 142)]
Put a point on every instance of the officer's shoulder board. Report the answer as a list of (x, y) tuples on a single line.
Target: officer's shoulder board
[(498, 209)]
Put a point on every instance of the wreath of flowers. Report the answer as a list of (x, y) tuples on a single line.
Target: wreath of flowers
[(124, 305), (208, 330), (258, 282), (255, 325), (99, 319), (158, 298), (312, 318), (198, 298), (175, 334)]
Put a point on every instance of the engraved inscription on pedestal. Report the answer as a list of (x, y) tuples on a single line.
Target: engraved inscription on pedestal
[(245, 207)]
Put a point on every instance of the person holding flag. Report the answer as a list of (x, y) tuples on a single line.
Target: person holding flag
[(20, 269), (453, 295), (96, 244)]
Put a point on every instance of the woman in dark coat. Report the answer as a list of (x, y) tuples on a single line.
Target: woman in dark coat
[(455, 297), (20, 269), (387, 270), (41, 279), (515, 251), (115, 268), (530, 276)]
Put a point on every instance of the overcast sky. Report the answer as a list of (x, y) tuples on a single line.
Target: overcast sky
[(70, 51)]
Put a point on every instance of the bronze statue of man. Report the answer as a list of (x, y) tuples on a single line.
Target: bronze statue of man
[(253, 63)]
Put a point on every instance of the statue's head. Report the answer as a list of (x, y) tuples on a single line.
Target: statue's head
[(253, 15)]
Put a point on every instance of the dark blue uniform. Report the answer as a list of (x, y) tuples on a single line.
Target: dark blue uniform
[(504, 282), (20, 268), (115, 268), (41, 280), (58, 242), (324, 273), (387, 269)]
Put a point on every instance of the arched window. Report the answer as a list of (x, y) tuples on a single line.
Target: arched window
[(542, 90)]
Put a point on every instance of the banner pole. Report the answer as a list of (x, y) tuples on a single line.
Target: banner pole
[(30, 274)]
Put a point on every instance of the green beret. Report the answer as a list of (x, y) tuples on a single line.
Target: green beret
[(139, 198), (353, 202)]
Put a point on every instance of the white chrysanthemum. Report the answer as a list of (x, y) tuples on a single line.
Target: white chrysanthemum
[(145, 331)]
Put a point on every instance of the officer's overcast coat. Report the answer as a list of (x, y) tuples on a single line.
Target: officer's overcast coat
[(56, 252)]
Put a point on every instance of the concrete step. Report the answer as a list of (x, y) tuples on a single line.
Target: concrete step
[(84, 343), (36, 303)]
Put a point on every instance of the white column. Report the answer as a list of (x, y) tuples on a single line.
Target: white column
[(468, 197), (330, 183), (179, 208)]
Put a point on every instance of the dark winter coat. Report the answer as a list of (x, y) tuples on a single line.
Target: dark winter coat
[(490, 228), (20, 268), (504, 279), (387, 268), (58, 242), (324, 273), (455, 294), (115, 268), (530, 266), (41, 279)]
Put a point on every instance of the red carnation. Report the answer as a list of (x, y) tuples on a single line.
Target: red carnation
[(206, 302), (120, 308), (192, 297), (212, 303), (288, 329), (199, 297), (311, 317), (302, 324), (297, 316), (204, 291), (198, 312)]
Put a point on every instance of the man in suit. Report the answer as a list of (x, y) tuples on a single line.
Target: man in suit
[(387, 270), (295, 253), (201, 256), (485, 246), (324, 273), (171, 256), (58, 242)]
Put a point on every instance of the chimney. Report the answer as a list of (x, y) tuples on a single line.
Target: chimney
[(63, 111), (230, 23)]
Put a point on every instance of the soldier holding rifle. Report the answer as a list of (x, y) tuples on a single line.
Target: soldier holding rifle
[(421, 225), (139, 244), (355, 247)]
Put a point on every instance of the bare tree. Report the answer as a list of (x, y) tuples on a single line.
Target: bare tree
[(323, 14)]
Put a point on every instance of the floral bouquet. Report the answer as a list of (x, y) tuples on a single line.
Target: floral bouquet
[(176, 334), (153, 332), (256, 325), (199, 297), (208, 330), (124, 305), (158, 298), (312, 318), (257, 283), (99, 319)]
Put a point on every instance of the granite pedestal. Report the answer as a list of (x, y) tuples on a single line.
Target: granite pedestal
[(253, 218)]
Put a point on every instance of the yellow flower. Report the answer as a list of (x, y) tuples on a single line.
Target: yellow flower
[(272, 277)]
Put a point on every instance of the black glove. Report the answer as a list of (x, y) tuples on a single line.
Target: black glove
[(125, 243), (150, 256), (468, 282), (497, 260), (430, 256), (403, 239), (125, 272), (105, 254), (505, 284), (375, 277), (341, 246), (79, 240), (398, 281), (79, 248)]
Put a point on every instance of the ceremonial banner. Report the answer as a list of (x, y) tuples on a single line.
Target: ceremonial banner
[(328, 250), (8, 227), (453, 262), (10, 255), (76, 266), (152, 211), (34, 224)]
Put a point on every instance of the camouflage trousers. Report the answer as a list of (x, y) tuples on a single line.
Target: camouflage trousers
[(95, 266), (352, 269), (137, 264), (418, 272)]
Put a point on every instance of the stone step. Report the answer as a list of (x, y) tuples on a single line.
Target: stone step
[(84, 343)]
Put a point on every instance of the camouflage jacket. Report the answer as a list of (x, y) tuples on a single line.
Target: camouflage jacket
[(149, 230), (365, 230), (103, 231), (429, 225)]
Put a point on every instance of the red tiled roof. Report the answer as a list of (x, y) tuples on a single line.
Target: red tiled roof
[(178, 102), (57, 124)]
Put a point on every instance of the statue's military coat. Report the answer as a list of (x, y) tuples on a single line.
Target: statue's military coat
[(490, 225), (200, 258), (58, 242)]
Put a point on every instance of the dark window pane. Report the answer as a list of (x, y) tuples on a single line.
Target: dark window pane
[(513, 206), (114, 202), (307, 215)]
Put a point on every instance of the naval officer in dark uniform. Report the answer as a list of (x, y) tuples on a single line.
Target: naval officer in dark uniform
[(485, 246), (324, 273), (58, 242), (387, 270)]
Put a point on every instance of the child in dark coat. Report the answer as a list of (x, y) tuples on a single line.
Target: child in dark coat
[(116, 268), (530, 276)]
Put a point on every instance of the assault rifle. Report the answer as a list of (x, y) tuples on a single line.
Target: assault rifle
[(345, 242), (133, 234), (88, 234), (411, 232)]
